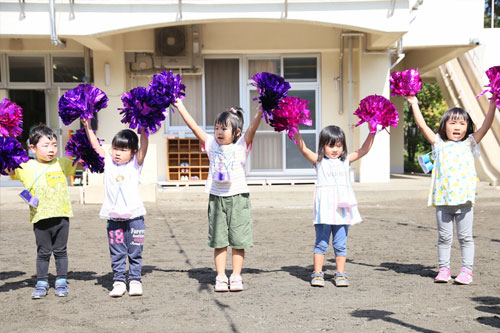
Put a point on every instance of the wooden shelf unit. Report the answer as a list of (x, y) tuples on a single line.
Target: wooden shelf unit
[(187, 150)]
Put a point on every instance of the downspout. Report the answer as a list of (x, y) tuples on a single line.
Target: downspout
[(54, 39), (350, 95), (341, 75), (399, 53)]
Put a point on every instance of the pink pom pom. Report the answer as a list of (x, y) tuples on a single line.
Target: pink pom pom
[(493, 74), (406, 83), (11, 118), (377, 110), (291, 112)]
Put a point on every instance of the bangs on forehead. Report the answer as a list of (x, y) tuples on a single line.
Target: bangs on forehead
[(332, 141), (223, 122), (457, 115)]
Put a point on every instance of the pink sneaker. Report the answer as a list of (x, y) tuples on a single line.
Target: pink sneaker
[(465, 276), (443, 275)]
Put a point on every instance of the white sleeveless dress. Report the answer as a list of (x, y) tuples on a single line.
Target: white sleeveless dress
[(334, 200)]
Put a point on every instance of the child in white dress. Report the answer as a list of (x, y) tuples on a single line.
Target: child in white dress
[(335, 207)]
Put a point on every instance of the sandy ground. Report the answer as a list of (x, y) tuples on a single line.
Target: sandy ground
[(391, 264)]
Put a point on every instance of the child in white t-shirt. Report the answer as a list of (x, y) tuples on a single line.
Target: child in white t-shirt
[(123, 207), (229, 210)]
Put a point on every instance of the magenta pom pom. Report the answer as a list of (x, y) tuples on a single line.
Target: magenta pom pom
[(272, 88), (291, 112), (81, 102), (12, 154), (406, 83), (493, 74), (80, 147), (166, 88), (11, 118), (377, 110), (141, 110)]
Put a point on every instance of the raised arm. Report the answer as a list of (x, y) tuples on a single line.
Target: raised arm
[(143, 149), (250, 133), (190, 122), (92, 137), (365, 148), (488, 120), (308, 153), (420, 121)]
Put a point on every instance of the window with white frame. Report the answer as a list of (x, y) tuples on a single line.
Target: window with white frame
[(2, 71), (222, 86), (27, 69), (43, 71), (68, 69), (275, 152)]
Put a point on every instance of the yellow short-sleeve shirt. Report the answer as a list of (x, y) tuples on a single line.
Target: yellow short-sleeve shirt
[(47, 182)]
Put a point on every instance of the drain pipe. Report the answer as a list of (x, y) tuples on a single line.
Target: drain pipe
[(54, 39), (350, 95), (398, 51)]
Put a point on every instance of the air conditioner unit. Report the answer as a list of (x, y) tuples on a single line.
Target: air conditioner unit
[(177, 47)]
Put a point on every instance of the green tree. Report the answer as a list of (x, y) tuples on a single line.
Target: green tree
[(488, 16), (433, 105)]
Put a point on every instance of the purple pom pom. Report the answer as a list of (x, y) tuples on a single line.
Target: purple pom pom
[(406, 83), (493, 74), (291, 112), (377, 110), (141, 110), (272, 88), (81, 102), (79, 146), (11, 118), (12, 154), (166, 88)]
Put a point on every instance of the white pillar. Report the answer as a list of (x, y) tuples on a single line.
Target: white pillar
[(374, 79)]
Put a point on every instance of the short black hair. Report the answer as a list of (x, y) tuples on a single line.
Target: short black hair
[(38, 131), (330, 135), (126, 139), (234, 117), (455, 113)]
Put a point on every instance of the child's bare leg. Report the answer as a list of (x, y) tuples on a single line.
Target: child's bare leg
[(220, 256), (340, 261), (318, 260), (237, 255)]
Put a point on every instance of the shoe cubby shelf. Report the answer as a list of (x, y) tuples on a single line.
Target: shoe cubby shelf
[(186, 161)]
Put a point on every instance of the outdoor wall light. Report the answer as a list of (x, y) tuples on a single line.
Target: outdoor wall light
[(107, 74)]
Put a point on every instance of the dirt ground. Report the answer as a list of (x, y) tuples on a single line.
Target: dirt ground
[(391, 264)]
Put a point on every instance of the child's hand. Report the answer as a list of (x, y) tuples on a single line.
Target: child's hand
[(85, 122), (412, 100), (178, 102)]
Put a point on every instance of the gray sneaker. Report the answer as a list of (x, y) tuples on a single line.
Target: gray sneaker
[(341, 280), (318, 279)]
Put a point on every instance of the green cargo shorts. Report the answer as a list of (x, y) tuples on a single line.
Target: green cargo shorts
[(230, 221)]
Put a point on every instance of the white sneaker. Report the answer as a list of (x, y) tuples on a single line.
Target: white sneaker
[(235, 282), (221, 283), (135, 288), (119, 289)]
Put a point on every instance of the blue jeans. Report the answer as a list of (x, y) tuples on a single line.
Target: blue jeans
[(339, 232), (126, 239)]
